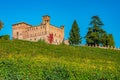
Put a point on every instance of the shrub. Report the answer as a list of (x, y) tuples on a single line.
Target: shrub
[(5, 37)]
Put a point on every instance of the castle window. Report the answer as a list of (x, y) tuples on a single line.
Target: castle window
[(20, 33), (17, 34), (55, 34), (59, 36), (31, 35), (56, 40), (47, 20), (45, 32)]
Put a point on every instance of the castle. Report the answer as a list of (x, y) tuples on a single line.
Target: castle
[(45, 31)]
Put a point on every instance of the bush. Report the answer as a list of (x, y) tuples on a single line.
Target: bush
[(5, 37)]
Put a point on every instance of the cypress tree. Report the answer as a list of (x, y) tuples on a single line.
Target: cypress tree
[(74, 38)]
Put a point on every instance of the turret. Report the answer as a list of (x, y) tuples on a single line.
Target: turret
[(46, 19)]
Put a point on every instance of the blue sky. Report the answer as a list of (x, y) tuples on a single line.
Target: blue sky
[(62, 12)]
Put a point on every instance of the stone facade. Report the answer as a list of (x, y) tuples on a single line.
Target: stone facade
[(66, 42), (24, 31)]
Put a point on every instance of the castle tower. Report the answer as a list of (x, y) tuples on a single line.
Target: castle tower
[(46, 23), (46, 20)]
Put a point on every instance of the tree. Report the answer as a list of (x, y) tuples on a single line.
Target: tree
[(95, 31), (104, 39), (111, 40), (89, 36), (97, 36), (1, 25), (108, 40), (74, 38), (5, 37)]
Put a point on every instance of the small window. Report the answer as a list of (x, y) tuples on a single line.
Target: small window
[(55, 34), (45, 32), (30, 35), (59, 36), (17, 33)]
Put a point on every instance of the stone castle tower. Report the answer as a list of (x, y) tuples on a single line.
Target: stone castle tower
[(24, 31)]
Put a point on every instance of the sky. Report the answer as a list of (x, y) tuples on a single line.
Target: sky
[(62, 12)]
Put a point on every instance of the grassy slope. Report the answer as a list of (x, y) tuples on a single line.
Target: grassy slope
[(37, 60)]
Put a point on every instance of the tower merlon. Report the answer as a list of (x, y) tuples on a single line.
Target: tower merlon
[(62, 27)]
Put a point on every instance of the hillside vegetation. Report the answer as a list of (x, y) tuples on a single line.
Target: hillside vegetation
[(23, 60)]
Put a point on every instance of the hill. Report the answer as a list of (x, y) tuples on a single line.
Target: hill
[(23, 60)]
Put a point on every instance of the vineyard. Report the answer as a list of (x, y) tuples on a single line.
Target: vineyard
[(23, 60)]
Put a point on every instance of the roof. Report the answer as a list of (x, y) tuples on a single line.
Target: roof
[(21, 23), (57, 27)]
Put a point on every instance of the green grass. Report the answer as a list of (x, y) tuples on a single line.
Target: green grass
[(23, 60)]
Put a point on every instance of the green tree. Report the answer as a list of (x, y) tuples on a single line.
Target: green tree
[(104, 39), (1, 25), (97, 36), (95, 31), (5, 37), (111, 42), (75, 38), (89, 37), (107, 40)]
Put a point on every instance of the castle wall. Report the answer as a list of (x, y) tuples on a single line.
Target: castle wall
[(18, 30), (58, 34), (35, 33)]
